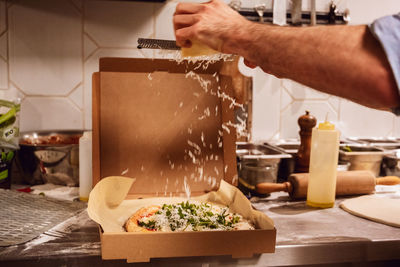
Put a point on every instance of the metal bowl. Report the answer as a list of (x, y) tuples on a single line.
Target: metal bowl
[(48, 157)]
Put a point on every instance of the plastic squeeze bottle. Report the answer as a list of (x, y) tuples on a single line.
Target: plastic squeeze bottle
[(323, 166), (85, 166)]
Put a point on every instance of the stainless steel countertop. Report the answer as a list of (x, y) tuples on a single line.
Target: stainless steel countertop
[(304, 236)]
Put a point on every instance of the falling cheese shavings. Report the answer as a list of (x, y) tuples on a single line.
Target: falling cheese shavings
[(213, 182), (226, 128), (206, 113), (203, 82), (166, 186), (195, 146), (233, 103), (193, 157), (240, 128), (186, 187), (196, 152), (124, 172), (171, 164)]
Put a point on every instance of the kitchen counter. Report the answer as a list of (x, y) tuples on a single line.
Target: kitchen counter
[(304, 236)]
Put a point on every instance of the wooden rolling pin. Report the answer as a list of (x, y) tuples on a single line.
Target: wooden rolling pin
[(347, 183)]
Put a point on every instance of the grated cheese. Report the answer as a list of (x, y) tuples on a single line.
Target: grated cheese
[(194, 216)]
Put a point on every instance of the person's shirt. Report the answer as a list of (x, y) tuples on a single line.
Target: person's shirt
[(387, 31)]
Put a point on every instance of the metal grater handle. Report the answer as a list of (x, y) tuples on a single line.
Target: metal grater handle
[(157, 44)]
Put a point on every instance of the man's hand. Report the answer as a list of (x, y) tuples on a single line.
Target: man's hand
[(213, 23)]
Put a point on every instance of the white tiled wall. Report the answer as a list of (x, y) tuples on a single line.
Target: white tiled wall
[(50, 48)]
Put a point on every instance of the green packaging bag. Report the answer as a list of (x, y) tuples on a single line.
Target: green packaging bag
[(9, 139), (9, 124)]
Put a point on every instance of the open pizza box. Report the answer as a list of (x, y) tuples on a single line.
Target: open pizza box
[(162, 131)]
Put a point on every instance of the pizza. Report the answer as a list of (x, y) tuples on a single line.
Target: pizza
[(186, 216)]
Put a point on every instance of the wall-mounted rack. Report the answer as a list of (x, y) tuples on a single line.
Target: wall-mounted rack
[(333, 17)]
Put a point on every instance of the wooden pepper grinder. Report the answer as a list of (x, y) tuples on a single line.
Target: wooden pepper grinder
[(306, 122)]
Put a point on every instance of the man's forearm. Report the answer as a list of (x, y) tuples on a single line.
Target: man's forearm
[(345, 61)]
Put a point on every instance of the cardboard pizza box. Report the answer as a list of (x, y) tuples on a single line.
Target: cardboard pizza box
[(168, 126)]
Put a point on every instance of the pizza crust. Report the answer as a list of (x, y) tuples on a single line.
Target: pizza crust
[(378, 209), (131, 224)]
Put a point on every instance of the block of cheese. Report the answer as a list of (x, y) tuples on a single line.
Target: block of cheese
[(198, 49)]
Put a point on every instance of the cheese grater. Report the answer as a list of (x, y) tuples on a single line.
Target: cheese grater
[(157, 44)]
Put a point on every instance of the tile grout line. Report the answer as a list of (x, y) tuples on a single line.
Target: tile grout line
[(280, 108), (277, 132), (154, 28), (74, 104), (84, 108), (305, 87), (84, 59), (87, 34), (73, 89), (18, 89), (75, 6), (391, 132), (8, 45), (5, 17), (284, 87), (36, 95), (334, 109), (291, 101)]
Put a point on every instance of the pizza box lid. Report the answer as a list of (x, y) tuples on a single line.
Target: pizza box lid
[(163, 123)]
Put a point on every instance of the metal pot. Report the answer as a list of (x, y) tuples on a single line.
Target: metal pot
[(48, 157)]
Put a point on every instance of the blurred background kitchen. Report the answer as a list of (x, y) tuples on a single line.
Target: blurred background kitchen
[(50, 48)]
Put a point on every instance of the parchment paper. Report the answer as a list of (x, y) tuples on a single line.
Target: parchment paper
[(108, 207)]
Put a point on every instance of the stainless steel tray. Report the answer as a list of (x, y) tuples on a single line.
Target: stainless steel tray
[(386, 143), (361, 149), (259, 151), (362, 157)]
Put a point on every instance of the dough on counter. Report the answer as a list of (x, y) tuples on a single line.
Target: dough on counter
[(378, 209)]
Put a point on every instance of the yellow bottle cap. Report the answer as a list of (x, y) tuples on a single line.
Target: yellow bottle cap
[(326, 126)]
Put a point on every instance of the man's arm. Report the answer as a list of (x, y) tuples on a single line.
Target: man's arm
[(346, 61)]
